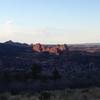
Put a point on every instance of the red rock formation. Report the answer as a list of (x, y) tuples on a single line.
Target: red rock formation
[(37, 47), (56, 49)]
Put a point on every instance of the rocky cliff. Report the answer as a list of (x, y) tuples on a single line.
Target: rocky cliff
[(56, 49)]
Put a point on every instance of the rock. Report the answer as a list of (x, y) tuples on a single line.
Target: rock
[(56, 49)]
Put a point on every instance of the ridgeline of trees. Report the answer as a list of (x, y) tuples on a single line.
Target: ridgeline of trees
[(34, 74)]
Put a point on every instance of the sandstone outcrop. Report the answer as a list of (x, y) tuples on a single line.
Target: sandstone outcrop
[(56, 49)]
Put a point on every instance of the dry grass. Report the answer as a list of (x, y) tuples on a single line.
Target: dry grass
[(67, 94)]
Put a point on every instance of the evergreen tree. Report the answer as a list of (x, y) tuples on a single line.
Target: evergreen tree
[(36, 71), (56, 74)]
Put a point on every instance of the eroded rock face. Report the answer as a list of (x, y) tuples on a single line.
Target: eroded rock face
[(56, 49)]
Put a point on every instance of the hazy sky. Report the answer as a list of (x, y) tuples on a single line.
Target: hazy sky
[(50, 21)]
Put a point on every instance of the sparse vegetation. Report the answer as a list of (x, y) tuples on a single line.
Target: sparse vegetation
[(67, 94)]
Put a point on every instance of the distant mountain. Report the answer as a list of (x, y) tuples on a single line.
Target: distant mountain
[(13, 48), (88, 47), (10, 42)]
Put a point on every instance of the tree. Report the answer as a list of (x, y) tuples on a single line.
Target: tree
[(36, 71), (56, 74)]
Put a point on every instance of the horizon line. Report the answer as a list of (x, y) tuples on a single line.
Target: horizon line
[(81, 43)]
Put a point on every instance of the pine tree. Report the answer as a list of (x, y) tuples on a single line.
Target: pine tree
[(36, 71), (56, 74)]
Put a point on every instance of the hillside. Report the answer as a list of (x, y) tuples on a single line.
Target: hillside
[(69, 67)]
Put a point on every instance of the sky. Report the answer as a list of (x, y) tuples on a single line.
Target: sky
[(50, 21)]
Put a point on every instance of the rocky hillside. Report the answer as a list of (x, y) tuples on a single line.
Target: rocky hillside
[(74, 66)]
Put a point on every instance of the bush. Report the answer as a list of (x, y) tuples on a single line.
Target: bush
[(45, 96)]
